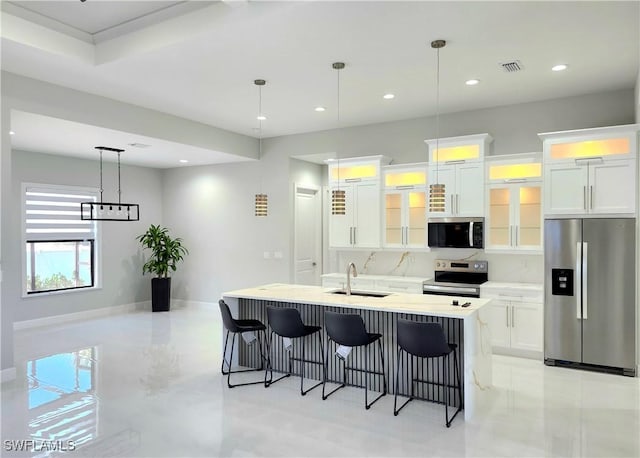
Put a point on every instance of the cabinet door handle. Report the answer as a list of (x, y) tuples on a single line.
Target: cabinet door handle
[(506, 309), (452, 207), (516, 233), (457, 203), (584, 197), (513, 314), (352, 180), (591, 197), (510, 235), (405, 186), (351, 235), (460, 161), (355, 239)]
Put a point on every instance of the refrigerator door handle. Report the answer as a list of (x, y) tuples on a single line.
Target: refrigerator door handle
[(585, 296), (578, 279)]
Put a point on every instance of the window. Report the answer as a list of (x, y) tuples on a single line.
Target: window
[(60, 248)]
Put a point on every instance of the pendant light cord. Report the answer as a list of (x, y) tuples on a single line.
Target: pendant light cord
[(119, 188), (101, 188), (437, 112)]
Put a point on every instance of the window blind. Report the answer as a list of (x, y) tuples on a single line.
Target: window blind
[(54, 214)]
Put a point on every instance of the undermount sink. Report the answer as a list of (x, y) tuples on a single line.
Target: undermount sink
[(361, 293)]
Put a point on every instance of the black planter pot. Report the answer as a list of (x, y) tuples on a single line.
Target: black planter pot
[(160, 294)]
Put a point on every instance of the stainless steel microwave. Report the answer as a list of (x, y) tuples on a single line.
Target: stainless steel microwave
[(456, 233)]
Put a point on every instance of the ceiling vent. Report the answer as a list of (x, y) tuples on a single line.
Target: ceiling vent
[(512, 66)]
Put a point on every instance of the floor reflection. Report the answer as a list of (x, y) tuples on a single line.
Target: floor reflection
[(62, 401)]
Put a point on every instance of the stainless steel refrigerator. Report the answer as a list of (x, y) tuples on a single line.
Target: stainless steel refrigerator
[(590, 287)]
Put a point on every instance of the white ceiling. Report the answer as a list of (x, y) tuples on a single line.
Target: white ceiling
[(34, 132), (201, 64)]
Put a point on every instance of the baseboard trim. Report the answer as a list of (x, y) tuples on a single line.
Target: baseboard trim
[(530, 354), (8, 374), (182, 303), (84, 315)]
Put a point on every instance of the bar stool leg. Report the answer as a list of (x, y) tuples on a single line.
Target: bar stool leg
[(324, 382), (366, 380), (445, 386), (302, 362), (384, 377), (396, 411), (233, 344), (224, 356)]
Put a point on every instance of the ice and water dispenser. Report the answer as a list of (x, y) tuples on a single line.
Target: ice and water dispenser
[(562, 282)]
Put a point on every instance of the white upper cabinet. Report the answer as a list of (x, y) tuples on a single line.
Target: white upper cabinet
[(514, 203), (354, 219), (591, 171), (405, 206), (456, 173)]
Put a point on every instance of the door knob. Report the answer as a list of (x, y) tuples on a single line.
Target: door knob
[(313, 264)]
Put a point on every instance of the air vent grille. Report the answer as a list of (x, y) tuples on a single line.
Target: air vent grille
[(512, 66)]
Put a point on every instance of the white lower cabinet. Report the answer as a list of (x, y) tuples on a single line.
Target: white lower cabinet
[(515, 320)]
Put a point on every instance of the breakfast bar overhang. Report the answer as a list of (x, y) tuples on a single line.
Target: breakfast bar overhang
[(463, 326)]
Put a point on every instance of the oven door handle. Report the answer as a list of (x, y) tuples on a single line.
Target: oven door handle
[(452, 289)]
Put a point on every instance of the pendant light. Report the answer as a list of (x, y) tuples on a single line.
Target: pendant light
[(109, 211), (437, 189), (338, 196), (262, 200)]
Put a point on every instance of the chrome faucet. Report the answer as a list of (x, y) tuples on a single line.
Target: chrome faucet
[(350, 267)]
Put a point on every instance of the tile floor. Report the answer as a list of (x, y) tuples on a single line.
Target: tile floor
[(149, 385)]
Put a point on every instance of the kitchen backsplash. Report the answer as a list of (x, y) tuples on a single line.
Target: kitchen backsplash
[(502, 267)]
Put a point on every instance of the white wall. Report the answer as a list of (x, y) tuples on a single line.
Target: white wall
[(122, 259), (211, 208)]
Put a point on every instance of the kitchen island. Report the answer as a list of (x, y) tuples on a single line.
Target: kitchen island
[(465, 327)]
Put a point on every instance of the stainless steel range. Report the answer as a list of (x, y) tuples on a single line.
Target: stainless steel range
[(457, 278)]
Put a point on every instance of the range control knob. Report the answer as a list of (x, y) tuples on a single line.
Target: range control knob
[(437, 264), (476, 266)]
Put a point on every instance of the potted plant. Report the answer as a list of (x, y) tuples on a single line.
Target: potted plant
[(166, 252)]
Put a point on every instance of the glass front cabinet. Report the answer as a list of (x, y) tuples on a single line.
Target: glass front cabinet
[(405, 206), (514, 203)]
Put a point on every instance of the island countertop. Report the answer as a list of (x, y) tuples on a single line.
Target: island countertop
[(420, 304)]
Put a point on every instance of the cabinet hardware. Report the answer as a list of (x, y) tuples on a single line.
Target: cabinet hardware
[(452, 208), (457, 203), (515, 180), (506, 309), (352, 180), (591, 197), (355, 238), (510, 235), (460, 161), (513, 313), (405, 186), (584, 197), (516, 233)]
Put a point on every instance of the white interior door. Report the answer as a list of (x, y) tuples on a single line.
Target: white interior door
[(308, 235)]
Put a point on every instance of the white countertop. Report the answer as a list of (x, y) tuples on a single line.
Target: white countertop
[(419, 304), (507, 285), (343, 276)]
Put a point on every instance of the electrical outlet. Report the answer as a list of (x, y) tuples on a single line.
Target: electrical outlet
[(266, 255), (277, 254)]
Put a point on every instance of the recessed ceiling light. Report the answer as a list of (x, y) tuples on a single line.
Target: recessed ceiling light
[(472, 82), (261, 117), (388, 96), (11, 132), (184, 161), (559, 67), (319, 108)]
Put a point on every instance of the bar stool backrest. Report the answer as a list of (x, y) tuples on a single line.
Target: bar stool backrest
[(227, 319), (346, 329), (286, 322), (425, 340)]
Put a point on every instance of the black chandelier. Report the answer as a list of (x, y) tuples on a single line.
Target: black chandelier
[(109, 211)]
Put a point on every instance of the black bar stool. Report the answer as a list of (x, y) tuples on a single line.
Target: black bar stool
[(234, 327), (286, 322), (349, 331), (427, 340)]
